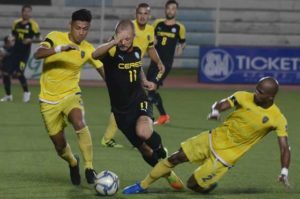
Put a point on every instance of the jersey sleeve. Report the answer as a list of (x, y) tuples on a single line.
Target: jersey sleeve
[(13, 28), (49, 40), (235, 99), (151, 37), (281, 128), (95, 62), (35, 28), (182, 33)]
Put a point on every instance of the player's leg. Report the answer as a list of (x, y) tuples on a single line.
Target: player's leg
[(54, 122), (7, 88), (110, 132), (205, 178), (161, 169), (22, 79), (75, 112)]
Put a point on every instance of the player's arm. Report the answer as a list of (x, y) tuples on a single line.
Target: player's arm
[(147, 84), (217, 108), (45, 51), (180, 47), (101, 50), (156, 59), (285, 157)]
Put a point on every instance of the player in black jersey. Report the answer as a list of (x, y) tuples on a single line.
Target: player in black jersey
[(129, 102), (25, 30), (169, 33)]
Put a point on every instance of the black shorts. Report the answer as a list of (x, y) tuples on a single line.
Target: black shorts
[(15, 64), (126, 121), (153, 71)]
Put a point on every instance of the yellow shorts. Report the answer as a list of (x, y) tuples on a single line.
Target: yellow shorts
[(198, 151), (54, 115)]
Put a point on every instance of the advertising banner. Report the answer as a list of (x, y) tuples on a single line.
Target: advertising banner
[(234, 64)]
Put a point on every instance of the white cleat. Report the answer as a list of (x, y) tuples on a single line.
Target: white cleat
[(26, 97), (7, 98)]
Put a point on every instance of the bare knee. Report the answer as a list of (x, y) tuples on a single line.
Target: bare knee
[(177, 157), (144, 127), (145, 150)]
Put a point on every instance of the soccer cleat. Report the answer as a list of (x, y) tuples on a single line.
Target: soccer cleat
[(90, 175), (110, 143), (26, 97), (134, 189), (74, 172), (175, 182), (163, 119), (7, 98)]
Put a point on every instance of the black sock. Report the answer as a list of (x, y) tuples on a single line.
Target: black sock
[(159, 104), (152, 97), (152, 161), (155, 144), (23, 82), (6, 82)]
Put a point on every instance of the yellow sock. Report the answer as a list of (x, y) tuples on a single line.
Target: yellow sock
[(68, 156), (111, 128), (86, 146), (162, 168)]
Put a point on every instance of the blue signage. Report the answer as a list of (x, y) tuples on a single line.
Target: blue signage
[(248, 64)]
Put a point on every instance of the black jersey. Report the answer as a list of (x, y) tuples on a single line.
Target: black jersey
[(167, 37), (123, 79), (24, 31)]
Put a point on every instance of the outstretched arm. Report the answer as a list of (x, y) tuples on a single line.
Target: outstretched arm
[(44, 51), (285, 155), (104, 48), (218, 107), (156, 59)]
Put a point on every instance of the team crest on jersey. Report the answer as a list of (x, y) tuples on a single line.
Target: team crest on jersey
[(137, 55), (27, 26), (265, 119), (82, 54), (173, 30)]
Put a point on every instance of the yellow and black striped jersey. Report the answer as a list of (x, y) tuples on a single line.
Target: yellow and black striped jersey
[(245, 126), (23, 31), (61, 71)]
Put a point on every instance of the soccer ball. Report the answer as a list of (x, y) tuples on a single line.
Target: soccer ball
[(107, 183)]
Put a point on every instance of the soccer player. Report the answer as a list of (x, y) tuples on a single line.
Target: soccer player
[(5, 51), (64, 54), (129, 103), (145, 39), (170, 35), (254, 116), (25, 30)]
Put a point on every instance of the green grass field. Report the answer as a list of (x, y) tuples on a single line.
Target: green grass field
[(30, 168)]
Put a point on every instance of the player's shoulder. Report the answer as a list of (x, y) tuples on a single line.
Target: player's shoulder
[(180, 24), (243, 94), (158, 21), (56, 34), (34, 22), (16, 21)]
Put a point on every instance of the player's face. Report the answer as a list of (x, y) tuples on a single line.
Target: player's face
[(125, 43), (26, 13), (261, 96), (79, 30), (170, 11), (142, 16)]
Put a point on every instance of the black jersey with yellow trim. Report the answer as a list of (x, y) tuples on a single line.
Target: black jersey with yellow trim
[(167, 37), (23, 31), (123, 78)]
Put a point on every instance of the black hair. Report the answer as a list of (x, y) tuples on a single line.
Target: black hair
[(82, 15), (142, 5), (26, 6), (171, 2)]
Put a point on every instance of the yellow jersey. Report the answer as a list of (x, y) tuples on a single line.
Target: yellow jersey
[(245, 126), (61, 72), (143, 38)]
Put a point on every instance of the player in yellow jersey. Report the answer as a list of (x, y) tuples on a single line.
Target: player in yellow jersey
[(216, 151), (64, 54), (144, 38)]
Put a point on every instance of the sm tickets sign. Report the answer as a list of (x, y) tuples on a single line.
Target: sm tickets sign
[(248, 64)]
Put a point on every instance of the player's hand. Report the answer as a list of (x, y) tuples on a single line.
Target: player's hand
[(150, 86), (179, 50), (27, 41), (284, 180), (214, 115), (69, 47)]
